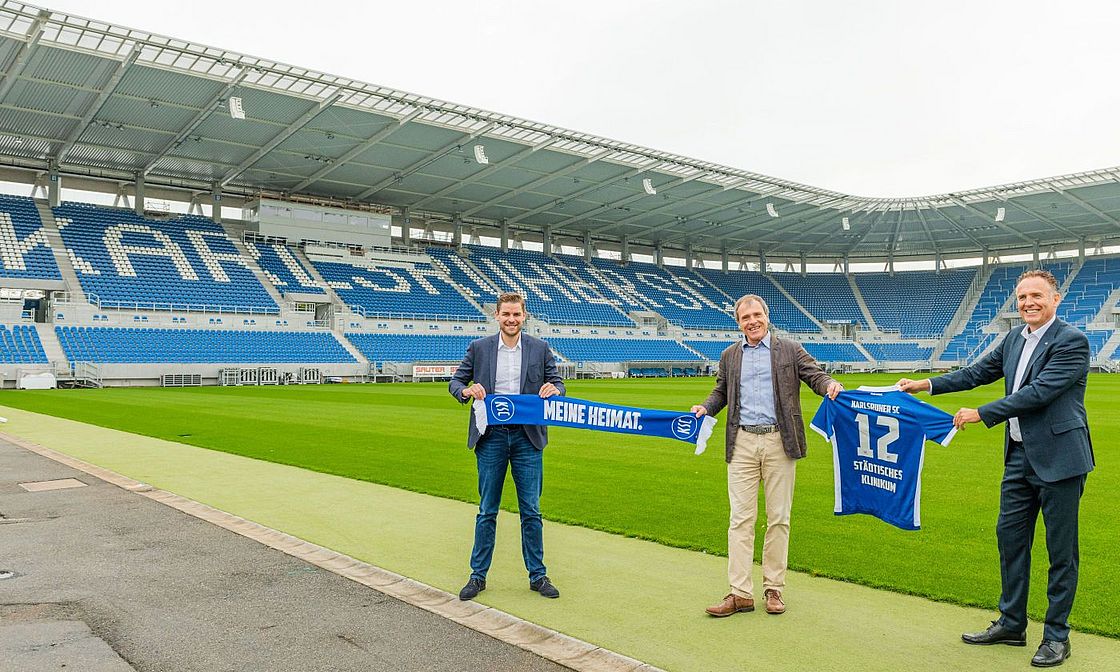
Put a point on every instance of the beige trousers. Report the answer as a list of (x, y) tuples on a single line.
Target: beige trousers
[(759, 458)]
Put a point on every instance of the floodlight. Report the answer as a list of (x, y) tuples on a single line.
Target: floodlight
[(1001, 212), (235, 109), (845, 224), (647, 184), (480, 155), (771, 209)]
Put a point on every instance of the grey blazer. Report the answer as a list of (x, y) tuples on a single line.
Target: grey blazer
[(1050, 403), (480, 365), (790, 365)]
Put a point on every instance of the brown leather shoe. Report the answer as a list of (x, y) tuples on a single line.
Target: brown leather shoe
[(732, 604), (774, 604)]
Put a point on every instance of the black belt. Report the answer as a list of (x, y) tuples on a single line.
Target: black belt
[(759, 429)]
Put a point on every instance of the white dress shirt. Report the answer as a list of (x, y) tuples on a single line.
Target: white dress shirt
[(507, 379), (1032, 339)]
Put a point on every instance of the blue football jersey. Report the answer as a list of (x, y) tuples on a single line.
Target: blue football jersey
[(878, 437)]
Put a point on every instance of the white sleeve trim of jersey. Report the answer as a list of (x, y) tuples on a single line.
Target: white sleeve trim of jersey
[(949, 436), (706, 426), (820, 431), (883, 388)]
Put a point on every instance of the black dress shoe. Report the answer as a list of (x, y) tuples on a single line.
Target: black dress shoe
[(996, 634), (472, 589), (1051, 653), (544, 587)]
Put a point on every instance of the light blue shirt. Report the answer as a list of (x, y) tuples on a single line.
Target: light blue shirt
[(756, 385)]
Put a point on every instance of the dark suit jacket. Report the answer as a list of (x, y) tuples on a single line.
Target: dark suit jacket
[(1050, 403), (480, 365), (789, 365)]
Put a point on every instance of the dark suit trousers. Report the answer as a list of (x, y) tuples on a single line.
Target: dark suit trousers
[(1022, 495)]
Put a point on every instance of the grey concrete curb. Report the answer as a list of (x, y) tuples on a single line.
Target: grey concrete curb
[(545, 642)]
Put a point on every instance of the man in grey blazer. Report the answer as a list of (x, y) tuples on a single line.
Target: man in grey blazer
[(509, 362), (759, 381), (1047, 454)]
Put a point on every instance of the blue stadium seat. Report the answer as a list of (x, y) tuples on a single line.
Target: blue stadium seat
[(283, 269), (25, 251), (783, 314), (827, 296), (897, 352), (118, 345), (413, 290), (19, 344), (621, 350), (411, 347), (678, 301), (917, 304)]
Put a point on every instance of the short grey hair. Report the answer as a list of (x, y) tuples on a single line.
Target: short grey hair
[(749, 298)]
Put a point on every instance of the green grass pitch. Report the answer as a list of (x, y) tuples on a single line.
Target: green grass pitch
[(413, 436)]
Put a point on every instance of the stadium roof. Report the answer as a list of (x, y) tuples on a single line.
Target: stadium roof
[(101, 100)]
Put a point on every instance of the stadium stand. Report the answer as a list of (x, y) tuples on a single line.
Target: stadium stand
[(835, 352), (1097, 339), (460, 271), (827, 296), (25, 251), (670, 297), (708, 349), (621, 350), (405, 289), (917, 304), (897, 352), (119, 345), (552, 291), (1090, 289), (185, 263), (20, 344), (411, 347), (283, 269), (590, 274), (783, 313)]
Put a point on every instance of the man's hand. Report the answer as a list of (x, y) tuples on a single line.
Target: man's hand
[(834, 388), (700, 410), (965, 416), (914, 386), (475, 390), (548, 390)]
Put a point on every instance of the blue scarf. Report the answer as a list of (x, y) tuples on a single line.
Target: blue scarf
[(529, 409)]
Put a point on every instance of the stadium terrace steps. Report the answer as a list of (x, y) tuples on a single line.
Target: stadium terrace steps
[(282, 269), (268, 281), (862, 304), (313, 273), (58, 249), (52, 348)]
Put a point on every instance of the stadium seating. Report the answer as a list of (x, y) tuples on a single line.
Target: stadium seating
[(783, 314), (918, 304), (25, 251), (402, 290), (411, 347), (283, 269), (1097, 339), (1089, 290), (897, 352), (185, 263), (708, 349), (119, 345), (621, 350), (661, 292), (835, 352), (551, 290), (461, 273), (590, 274), (827, 296), (20, 344)]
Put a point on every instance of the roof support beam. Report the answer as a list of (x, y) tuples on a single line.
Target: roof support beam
[(929, 234), (1041, 216), (984, 215), (360, 148), (435, 156), (578, 194), (629, 199), (288, 132), (606, 227), (488, 170), (746, 220), (536, 183), (23, 56), (95, 108), (1088, 206), (701, 216), (196, 121), (957, 225)]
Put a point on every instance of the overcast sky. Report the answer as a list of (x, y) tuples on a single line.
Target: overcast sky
[(872, 98)]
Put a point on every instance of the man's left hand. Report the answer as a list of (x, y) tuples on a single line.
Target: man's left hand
[(834, 388), (548, 390), (965, 416)]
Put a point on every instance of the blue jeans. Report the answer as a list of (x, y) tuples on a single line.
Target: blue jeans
[(501, 446)]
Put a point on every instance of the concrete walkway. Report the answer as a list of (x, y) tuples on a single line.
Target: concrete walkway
[(634, 597)]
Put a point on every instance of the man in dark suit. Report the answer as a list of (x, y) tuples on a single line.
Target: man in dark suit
[(759, 381), (509, 362), (1047, 454)]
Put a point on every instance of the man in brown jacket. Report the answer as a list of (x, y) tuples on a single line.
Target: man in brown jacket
[(758, 382)]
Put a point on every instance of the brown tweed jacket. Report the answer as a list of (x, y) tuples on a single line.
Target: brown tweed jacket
[(790, 365)]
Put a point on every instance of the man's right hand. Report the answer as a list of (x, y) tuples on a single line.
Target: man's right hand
[(699, 410), (475, 390), (914, 386)]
